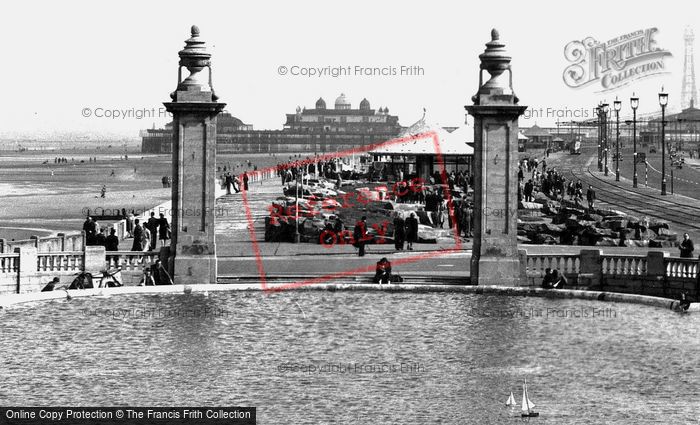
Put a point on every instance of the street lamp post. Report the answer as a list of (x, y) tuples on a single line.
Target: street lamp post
[(634, 102), (606, 110), (663, 101), (599, 110), (297, 236), (617, 105)]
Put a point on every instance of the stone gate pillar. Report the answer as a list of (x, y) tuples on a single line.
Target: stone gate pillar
[(194, 107), (495, 252)]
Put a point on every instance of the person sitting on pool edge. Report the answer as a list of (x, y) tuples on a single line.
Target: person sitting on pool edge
[(683, 301), (383, 273), (553, 279), (558, 280), (51, 285), (147, 278), (547, 280)]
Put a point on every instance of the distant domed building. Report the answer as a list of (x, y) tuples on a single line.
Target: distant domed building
[(341, 103), (306, 130), (364, 105), (340, 128)]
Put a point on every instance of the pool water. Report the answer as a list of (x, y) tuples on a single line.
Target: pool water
[(317, 357)]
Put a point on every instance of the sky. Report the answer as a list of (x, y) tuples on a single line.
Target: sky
[(63, 57)]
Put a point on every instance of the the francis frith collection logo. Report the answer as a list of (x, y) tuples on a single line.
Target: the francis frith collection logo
[(614, 63)]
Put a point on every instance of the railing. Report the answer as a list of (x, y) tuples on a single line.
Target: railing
[(623, 265), (60, 261), (567, 264), (9, 263), (130, 260), (58, 243), (682, 268)]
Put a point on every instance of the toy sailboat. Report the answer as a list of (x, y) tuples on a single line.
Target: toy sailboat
[(527, 405), (511, 400)]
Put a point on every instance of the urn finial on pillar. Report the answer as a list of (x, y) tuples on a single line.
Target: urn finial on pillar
[(498, 89), (195, 57)]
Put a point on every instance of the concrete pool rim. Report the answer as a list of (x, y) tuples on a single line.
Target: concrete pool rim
[(666, 303)]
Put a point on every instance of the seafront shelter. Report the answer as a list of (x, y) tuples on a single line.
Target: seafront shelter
[(418, 157)]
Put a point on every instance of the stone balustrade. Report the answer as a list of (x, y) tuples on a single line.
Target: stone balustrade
[(654, 273), (623, 265), (130, 260), (67, 261), (569, 264), (28, 270)]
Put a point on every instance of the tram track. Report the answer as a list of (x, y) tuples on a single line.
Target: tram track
[(681, 214)]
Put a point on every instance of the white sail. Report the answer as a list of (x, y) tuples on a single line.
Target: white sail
[(527, 404), (511, 400)]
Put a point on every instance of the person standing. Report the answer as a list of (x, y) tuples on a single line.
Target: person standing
[(399, 231), (360, 235), (245, 181), (163, 229), (146, 239), (94, 230), (338, 228), (431, 206), (100, 239), (112, 241), (686, 247), (467, 217), (228, 181), (411, 231), (130, 224), (138, 235), (590, 196), (529, 187), (87, 228), (153, 224), (442, 213)]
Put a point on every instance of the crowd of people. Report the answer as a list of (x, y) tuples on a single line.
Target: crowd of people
[(331, 169), (231, 181), (145, 235), (551, 183), (95, 236)]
